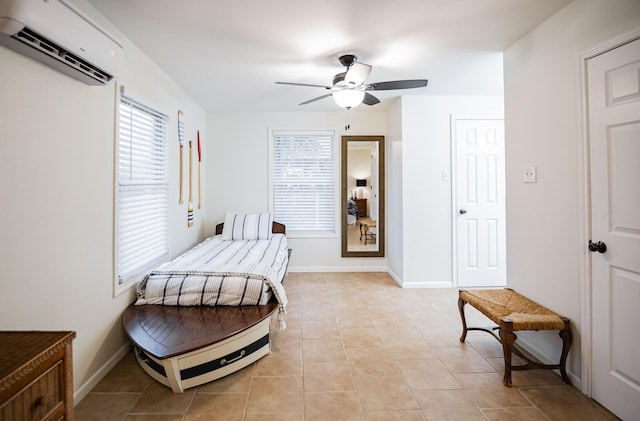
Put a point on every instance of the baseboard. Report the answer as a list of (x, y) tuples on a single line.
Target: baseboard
[(427, 285), (575, 380), (418, 284), (366, 268), (87, 386), (535, 352), (395, 277)]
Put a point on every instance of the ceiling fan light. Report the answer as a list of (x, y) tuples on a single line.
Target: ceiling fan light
[(348, 98)]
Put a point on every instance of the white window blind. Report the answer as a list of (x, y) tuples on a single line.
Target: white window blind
[(303, 181), (142, 220)]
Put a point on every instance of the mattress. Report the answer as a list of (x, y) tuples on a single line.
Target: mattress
[(220, 272)]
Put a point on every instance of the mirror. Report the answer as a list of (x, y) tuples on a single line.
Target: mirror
[(362, 196)]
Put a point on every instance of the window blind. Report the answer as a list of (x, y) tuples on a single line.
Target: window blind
[(142, 233), (303, 180)]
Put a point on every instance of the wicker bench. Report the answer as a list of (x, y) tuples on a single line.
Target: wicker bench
[(512, 312)]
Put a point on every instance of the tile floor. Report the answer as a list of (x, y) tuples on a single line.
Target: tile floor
[(356, 347)]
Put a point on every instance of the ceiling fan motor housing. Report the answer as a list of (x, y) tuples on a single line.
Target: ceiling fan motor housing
[(347, 60), (338, 80)]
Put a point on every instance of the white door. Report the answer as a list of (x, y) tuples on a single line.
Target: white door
[(480, 203), (614, 150)]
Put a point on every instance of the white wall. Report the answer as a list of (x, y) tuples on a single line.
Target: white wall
[(56, 181), (393, 194), (238, 175), (541, 117), (426, 197)]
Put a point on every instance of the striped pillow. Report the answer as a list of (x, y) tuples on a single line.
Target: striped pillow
[(247, 226)]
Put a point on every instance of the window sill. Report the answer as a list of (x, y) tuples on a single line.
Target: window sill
[(312, 235)]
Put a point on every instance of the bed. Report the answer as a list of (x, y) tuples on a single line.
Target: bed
[(352, 212), (208, 312)]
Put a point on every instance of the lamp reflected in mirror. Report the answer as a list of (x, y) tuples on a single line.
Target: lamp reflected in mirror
[(363, 196)]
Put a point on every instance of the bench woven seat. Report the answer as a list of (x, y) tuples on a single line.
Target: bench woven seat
[(511, 312), (525, 314)]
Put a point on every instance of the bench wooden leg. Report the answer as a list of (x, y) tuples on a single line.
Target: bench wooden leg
[(465, 328), (461, 304), (567, 339), (507, 337)]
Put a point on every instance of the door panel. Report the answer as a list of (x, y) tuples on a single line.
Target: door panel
[(480, 203), (625, 290), (614, 148), (624, 150)]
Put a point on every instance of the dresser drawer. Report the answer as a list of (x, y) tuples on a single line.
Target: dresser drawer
[(36, 378), (209, 363), (43, 399)]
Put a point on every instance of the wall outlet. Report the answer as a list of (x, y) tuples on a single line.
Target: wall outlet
[(530, 175)]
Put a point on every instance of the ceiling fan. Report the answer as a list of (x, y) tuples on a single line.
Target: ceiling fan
[(349, 88)]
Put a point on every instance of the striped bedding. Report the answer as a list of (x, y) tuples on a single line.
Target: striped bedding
[(220, 272)]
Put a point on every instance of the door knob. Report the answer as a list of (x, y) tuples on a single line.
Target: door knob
[(462, 211), (598, 246)]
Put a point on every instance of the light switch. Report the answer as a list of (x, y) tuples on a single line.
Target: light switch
[(530, 175), (445, 176)]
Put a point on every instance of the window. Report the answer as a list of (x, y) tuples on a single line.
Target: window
[(303, 181), (142, 198)]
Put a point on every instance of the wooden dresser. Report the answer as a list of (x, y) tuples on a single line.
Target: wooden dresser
[(362, 207), (36, 376)]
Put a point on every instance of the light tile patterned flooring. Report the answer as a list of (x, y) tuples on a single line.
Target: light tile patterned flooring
[(356, 347)]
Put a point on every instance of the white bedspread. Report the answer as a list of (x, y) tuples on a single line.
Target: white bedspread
[(218, 272)]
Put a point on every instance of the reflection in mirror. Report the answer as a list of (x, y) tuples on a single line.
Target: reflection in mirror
[(362, 196)]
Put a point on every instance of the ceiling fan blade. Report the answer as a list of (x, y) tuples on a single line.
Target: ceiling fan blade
[(357, 74), (303, 84), (397, 84), (370, 99), (315, 99)]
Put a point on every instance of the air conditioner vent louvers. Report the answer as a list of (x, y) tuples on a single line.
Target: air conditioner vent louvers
[(42, 44)]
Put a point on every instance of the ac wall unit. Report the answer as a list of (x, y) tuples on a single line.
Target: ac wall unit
[(57, 34)]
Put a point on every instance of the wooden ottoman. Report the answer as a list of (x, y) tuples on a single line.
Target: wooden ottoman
[(512, 312)]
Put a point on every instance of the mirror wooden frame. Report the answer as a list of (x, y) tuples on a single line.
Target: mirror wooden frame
[(380, 237)]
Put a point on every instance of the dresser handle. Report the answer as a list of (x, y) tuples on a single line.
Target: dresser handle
[(224, 362), (39, 401)]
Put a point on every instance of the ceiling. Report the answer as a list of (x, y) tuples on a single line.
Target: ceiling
[(227, 55)]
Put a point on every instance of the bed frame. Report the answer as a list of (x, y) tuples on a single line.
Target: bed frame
[(184, 347), (277, 228)]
